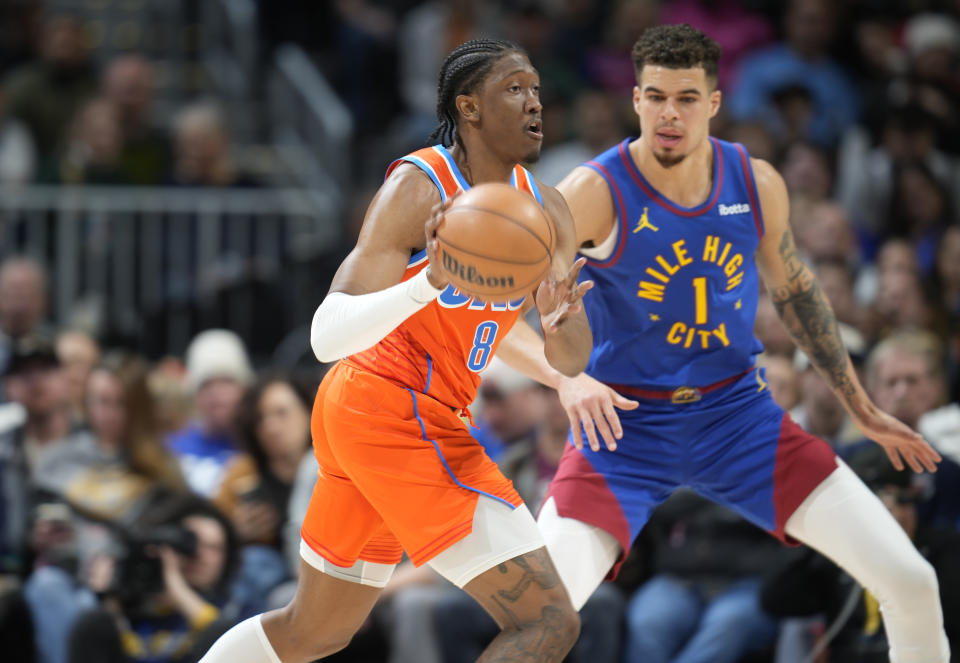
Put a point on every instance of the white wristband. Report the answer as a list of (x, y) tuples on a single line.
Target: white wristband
[(345, 324)]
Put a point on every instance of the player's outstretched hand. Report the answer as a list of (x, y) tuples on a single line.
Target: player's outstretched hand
[(592, 405), (558, 298), (898, 440)]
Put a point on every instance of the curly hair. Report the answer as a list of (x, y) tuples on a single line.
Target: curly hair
[(462, 71), (676, 47)]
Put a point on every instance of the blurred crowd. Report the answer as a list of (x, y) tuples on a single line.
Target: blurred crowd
[(150, 501), (67, 117)]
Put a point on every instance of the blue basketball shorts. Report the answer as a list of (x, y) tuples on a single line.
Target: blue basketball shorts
[(734, 446)]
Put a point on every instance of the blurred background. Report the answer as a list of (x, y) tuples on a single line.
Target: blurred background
[(180, 178)]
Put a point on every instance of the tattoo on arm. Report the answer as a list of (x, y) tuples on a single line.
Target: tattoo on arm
[(810, 320)]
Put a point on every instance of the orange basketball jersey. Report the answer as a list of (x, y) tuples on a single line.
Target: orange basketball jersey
[(440, 349)]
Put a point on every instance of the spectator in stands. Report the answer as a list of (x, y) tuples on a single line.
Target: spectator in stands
[(146, 155), (46, 94), (17, 152), (78, 353), (738, 30), (933, 42), (609, 65), (275, 430), (508, 403), (531, 463), (117, 473), (770, 330), (435, 27), (782, 379), (894, 255), (836, 279), (167, 382), (755, 137), (703, 601), (827, 234), (168, 611), (218, 372), (906, 376), (799, 64), (23, 301), (806, 170), (947, 273), (34, 379), (902, 301), (866, 164), (919, 210), (808, 583), (597, 126), (820, 411), (122, 465), (202, 147), (35, 429), (91, 154)]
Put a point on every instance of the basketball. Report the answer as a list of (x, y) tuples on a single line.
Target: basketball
[(496, 242)]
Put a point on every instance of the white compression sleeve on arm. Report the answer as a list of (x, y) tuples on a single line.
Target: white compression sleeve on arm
[(345, 324)]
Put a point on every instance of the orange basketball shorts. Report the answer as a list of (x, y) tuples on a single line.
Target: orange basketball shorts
[(398, 471)]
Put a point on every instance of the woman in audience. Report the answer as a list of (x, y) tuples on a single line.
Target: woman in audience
[(275, 431)]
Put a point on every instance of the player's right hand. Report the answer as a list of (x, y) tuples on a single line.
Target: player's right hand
[(434, 274), (592, 405)]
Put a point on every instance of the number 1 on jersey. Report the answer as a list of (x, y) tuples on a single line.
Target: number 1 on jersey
[(482, 345), (700, 299)]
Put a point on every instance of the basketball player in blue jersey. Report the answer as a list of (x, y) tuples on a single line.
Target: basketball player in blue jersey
[(678, 228)]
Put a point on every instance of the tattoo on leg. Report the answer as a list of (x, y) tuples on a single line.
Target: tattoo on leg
[(545, 578), (546, 639)]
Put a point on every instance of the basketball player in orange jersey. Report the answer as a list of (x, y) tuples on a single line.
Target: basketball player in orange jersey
[(680, 228), (398, 467)]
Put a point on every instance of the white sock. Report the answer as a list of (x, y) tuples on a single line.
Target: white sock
[(244, 643)]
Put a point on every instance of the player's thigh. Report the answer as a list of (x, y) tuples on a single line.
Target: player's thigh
[(753, 458), (416, 464), (525, 590), (504, 565)]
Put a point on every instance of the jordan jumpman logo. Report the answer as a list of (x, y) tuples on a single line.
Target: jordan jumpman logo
[(644, 222)]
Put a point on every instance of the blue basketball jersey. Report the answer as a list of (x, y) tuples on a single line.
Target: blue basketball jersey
[(676, 300)]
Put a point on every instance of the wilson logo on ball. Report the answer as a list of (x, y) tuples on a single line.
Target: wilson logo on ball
[(470, 274)]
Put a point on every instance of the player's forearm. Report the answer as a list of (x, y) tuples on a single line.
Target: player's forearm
[(344, 324), (568, 348), (809, 318), (523, 350)]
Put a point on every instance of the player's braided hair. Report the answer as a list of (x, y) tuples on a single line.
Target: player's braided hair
[(676, 47), (462, 70)]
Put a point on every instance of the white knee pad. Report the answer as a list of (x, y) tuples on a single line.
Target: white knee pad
[(371, 574), (499, 533), (582, 553)]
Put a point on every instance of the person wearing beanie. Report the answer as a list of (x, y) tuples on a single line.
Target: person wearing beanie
[(218, 373)]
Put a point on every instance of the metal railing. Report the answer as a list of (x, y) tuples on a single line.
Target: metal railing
[(158, 256), (230, 52), (312, 128)]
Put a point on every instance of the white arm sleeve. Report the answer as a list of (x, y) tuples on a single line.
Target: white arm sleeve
[(345, 324)]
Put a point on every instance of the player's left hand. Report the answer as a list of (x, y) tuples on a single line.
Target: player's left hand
[(559, 298), (898, 440)]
